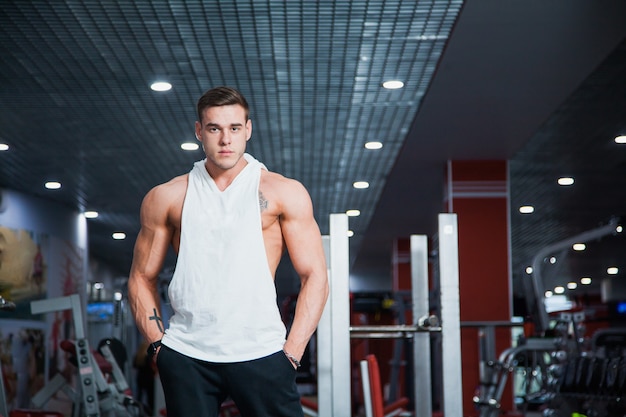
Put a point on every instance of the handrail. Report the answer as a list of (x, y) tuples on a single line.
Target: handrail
[(537, 279), (395, 331)]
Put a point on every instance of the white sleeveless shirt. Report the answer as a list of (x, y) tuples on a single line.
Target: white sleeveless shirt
[(222, 292)]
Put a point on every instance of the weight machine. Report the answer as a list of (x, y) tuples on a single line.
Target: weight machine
[(93, 395), (559, 370)]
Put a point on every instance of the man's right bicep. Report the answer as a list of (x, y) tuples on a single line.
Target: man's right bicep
[(151, 244), (150, 251)]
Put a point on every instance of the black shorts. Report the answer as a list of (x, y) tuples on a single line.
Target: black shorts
[(264, 387)]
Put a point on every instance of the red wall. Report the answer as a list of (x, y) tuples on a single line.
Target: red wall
[(477, 193)]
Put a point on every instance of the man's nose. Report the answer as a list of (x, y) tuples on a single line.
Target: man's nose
[(226, 138)]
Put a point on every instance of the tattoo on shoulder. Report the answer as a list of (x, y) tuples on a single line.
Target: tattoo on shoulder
[(262, 202), (158, 320)]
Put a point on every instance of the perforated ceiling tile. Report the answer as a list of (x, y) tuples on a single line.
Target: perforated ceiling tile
[(576, 141), (80, 71), (76, 106)]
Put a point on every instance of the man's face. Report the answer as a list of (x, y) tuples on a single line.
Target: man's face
[(223, 132)]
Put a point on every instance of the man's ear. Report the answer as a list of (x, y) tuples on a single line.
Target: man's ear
[(198, 130), (249, 129)]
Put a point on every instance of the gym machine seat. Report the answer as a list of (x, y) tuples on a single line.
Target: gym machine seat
[(373, 392), (309, 407)]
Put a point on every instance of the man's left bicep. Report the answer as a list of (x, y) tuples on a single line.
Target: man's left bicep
[(301, 232), (303, 240)]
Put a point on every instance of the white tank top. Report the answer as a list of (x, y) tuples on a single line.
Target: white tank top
[(222, 293)]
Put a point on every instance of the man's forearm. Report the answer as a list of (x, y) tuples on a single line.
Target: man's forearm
[(145, 306), (309, 308)]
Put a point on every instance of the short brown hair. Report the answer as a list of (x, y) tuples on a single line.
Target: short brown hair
[(221, 96)]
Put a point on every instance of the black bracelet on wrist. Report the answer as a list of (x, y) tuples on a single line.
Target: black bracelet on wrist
[(152, 348), (292, 359)]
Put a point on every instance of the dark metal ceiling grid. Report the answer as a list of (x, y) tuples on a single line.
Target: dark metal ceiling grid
[(75, 104), (573, 143)]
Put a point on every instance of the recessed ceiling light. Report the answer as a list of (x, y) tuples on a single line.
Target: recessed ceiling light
[(161, 86), (350, 233), (572, 285), (585, 280), (565, 181), (620, 139), (612, 270), (361, 184), (373, 145), (189, 146), (549, 294), (619, 229), (4, 147), (353, 213), (526, 209), (119, 235), (90, 214), (529, 270), (579, 246), (53, 185), (393, 84), (559, 290)]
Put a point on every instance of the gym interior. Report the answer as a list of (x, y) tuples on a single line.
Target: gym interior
[(465, 160)]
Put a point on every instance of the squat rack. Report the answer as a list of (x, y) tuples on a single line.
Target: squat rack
[(334, 330)]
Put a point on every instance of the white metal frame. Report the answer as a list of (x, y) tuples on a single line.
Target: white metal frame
[(450, 315), (333, 333), (421, 341)]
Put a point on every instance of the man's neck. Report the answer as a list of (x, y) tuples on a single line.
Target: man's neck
[(224, 177)]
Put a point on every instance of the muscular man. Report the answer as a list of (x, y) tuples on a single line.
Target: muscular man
[(229, 220)]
